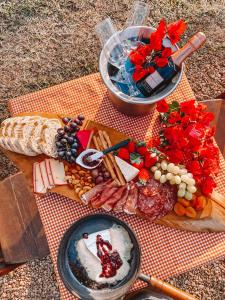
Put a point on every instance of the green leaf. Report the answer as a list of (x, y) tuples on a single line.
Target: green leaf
[(174, 106), (135, 157)]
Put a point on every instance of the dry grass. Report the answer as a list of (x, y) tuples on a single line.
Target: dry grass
[(45, 42)]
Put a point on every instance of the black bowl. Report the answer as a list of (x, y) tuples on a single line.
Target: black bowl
[(68, 262)]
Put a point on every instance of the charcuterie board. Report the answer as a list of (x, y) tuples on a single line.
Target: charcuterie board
[(211, 219)]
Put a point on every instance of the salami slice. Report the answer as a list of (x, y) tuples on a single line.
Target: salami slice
[(120, 204), (108, 191), (156, 199), (131, 203)]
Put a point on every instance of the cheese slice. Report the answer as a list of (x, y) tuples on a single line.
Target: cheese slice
[(58, 172), (39, 186), (129, 172), (44, 175), (49, 173)]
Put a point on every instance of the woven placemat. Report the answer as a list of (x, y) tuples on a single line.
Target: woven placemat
[(165, 251)]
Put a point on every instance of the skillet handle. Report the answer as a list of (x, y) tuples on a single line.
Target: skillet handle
[(167, 288)]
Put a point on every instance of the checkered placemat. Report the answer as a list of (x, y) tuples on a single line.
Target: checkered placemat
[(165, 251)]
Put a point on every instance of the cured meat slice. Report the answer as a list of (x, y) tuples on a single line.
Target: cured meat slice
[(131, 203), (109, 204), (108, 191), (156, 199), (118, 207), (93, 193)]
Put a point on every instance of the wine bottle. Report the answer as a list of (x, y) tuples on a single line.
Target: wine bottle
[(162, 76)]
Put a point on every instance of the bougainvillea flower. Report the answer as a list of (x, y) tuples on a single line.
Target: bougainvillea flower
[(139, 73), (174, 117), (162, 106), (158, 35), (166, 52), (161, 61), (188, 107), (175, 30), (207, 185), (175, 156)]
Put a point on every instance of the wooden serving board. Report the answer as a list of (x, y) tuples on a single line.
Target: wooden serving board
[(212, 218)]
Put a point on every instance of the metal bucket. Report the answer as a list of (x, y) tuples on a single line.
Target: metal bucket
[(124, 103)]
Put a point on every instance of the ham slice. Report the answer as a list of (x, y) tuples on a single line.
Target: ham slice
[(39, 186), (49, 173), (131, 203), (44, 174), (109, 190), (120, 204), (58, 172), (93, 193), (110, 203)]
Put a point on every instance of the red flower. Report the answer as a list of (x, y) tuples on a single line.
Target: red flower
[(195, 168), (153, 142), (162, 106), (151, 70), (174, 117), (187, 107), (207, 185), (161, 61), (139, 73), (136, 58), (175, 156), (175, 30), (185, 120), (158, 35), (166, 52), (207, 117)]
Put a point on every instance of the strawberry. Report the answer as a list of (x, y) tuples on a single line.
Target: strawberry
[(148, 160), (141, 148), (143, 176), (136, 160), (131, 146), (123, 153)]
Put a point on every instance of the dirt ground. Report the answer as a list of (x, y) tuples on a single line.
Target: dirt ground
[(45, 42)]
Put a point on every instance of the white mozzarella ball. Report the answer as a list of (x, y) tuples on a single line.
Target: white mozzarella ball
[(190, 175), (182, 185), (176, 170), (191, 188), (158, 165), (181, 193), (164, 165), (184, 178), (182, 171), (153, 155), (188, 196), (190, 181), (172, 181), (153, 169), (170, 167), (157, 174), (169, 176), (177, 179), (163, 179)]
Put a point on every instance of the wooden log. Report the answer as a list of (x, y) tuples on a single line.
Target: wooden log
[(22, 236)]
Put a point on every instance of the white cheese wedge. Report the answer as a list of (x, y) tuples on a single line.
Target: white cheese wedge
[(44, 175), (58, 172), (49, 173), (129, 172), (38, 182)]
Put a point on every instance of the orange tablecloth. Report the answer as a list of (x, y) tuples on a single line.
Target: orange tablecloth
[(165, 251)]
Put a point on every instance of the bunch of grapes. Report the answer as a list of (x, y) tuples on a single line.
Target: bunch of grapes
[(66, 141)]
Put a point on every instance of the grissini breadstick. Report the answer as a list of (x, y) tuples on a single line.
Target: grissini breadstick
[(99, 149), (107, 143), (108, 163)]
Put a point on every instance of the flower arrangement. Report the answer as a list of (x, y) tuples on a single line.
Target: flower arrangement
[(187, 138), (155, 52)]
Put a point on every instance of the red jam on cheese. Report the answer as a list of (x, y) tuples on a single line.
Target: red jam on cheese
[(110, 260)]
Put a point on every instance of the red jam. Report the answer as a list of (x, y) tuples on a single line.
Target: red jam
[(110, 260)]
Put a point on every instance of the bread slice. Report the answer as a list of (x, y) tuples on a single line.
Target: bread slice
[(47, 142), (36, 136)]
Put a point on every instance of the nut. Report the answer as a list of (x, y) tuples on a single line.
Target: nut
[(70, 185), (74, 171), (82, 173), (76, 181), (87, 188), (81, 192), (77, 190), (66, 168), (73, 176), (68, 173), (78, 167)]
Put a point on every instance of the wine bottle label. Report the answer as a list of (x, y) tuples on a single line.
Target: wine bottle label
[(154, 79)]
